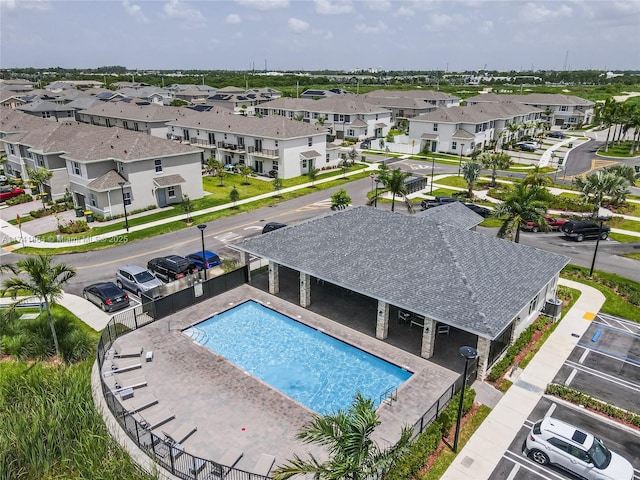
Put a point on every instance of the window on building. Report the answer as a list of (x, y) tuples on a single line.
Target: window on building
[(171, 191), (564, 108), (126, 124), (454, 145), (533, 305), (92, 199), (347, 118), (12, 150), (135, 126), (158, 164), (306, 114), (328, 159), (276, 143), (212, 139), (335, 117), (241, 141), (304, 163), (185, 134), (46, 114), (108, 122), (276, 165), (310, 141), (40, 160), (435, 127), (241, 157), (315, 115), (76, 168), (127, 198)]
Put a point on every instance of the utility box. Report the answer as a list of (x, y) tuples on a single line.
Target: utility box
[(553, 308)]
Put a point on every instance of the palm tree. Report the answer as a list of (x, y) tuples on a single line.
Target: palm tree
[(313, 174), (495, 161), (353, 454), (44, 280), (39, 178), (246, 170), (537, 178), (395, 183), (522, 205), (595, 186), (471, 173)]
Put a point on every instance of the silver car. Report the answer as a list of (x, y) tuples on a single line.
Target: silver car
[(136, 279)]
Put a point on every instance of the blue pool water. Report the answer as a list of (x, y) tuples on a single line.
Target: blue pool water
[(309, 366)]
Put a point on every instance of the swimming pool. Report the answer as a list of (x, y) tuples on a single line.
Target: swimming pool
[(311, 367)]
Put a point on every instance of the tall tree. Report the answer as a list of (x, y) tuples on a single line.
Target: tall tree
[(523, 204), (395, 183), (43, 279), (537, 178), (495, 161), (245, 171), (353, 455), (596, 186), (40, 177), (313, 175), (471, 174)]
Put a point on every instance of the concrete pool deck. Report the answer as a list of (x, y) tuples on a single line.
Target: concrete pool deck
[(231, 408)]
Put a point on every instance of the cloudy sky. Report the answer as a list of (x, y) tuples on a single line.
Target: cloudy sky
[(449, 35)]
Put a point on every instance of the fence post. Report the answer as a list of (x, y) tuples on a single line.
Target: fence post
[(135, 318)]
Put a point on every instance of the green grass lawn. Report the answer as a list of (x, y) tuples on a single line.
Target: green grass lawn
[(631, 225), (621, 151), (452, 181)]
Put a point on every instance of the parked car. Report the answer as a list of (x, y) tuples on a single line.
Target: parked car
[(484, 212), (575, 450), (365, 144), (553, 223), (440, 200), (171, 267), (527, 146), (210, 260), (3, 179), (557, 134), (271, 226), (136, 279), (7, 192), (581, 229), (273, 173), (106, 295)]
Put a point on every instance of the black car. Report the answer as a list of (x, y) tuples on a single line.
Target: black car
[(581, 229), (271, 226), (482, 211), (556, 134), (440, 200), (171, 267), (107, 295)]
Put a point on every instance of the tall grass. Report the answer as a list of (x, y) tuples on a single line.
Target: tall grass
[(50, 428)]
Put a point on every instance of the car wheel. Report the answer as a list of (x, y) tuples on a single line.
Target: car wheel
[(138, 294), (580, 237), (604, 235), (104, 307), (119, 283), (539, 457), (85, 296), (534, 229)]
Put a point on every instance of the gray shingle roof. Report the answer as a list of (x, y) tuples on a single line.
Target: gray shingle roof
[(454, 214), (169, 180), (465, 279), (131, 111), (478, 113), (106, 182), (533, 99)]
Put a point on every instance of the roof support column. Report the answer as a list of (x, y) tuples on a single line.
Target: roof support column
[(428, 338), (246, 260), (305, 289), (274, 278), (382, 322), (484, 344), (515, 330)]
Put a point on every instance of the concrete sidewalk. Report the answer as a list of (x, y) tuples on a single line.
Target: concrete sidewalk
[(484, 450)]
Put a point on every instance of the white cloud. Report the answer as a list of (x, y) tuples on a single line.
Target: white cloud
[(537, 12), (486, 26), (379, 5), (177, 10), (39, 5), (135, 11), (264, 4), (442, 21), (233, 18), (379, 28), (404, 11), (297, 26), (333, 7)]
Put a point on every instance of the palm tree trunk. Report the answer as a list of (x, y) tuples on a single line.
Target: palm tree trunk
[(517, 237), (606, 142), (393, 202), (52, 326), (494, 173)]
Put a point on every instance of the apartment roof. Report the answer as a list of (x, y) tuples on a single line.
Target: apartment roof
[(479, 113), (454, 214), (462, 135), (415, 94), (43, 106), (223, 120), (169, 180), (341, 104), (132, 111), (82, 103), (474, 282), (533, 99), (13, 121), (106, 182)]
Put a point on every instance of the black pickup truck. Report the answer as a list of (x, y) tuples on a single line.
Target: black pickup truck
[(437, 202)]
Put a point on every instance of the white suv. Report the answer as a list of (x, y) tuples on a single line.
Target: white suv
[(554, 441)]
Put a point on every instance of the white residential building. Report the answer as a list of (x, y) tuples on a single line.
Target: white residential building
[(405, 104)]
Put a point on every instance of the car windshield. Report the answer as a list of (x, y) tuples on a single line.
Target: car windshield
[(143, 277), (600, 454)]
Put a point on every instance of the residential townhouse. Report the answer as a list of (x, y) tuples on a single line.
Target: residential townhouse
[(61, 85), (317, 94), (13, 121), (241, 101), (104, 167), (270, 145), (558, 109), (150, 94), (345, 116), (11, 100), (410, 103), (460, 130), (48, 110), (139, 117)]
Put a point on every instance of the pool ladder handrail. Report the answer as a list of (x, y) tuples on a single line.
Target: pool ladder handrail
[(390, 394), (200, 336)]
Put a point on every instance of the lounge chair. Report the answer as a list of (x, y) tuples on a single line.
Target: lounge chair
[(129, 380), (154, 417), (124, 364), (180, 434), (139, 401), (118, 352), (220, 469), (264, 464)]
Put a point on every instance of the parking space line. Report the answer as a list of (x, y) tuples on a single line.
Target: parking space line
[(552, 408), (623, 322), (528, 464), (514, 471), (570, 377), (606, 376), (584, 356), (610, 354), (621, 331)]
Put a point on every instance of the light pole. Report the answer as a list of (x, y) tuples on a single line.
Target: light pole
[(375, 200), (201, 227), (469, 353), (433, 164), (372, 176), (124, 206), (460, 164), (595, 252)]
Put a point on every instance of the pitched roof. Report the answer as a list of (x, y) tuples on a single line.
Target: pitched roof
[(43, 106), (16, 121), (469, 280), (149, 112), (479, 113), (106, 182), (454, 214), (533, 99), (415, 94), (169, 180), (341, 104)]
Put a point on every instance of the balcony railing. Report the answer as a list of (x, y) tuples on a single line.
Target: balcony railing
[(231, 147), (263, 152)]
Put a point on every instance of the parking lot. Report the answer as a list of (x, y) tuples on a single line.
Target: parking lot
[(515, 466)]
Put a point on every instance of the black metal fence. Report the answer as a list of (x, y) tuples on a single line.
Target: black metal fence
[(171, 456)]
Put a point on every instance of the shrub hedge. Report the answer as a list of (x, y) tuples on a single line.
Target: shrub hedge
[(24, 198)]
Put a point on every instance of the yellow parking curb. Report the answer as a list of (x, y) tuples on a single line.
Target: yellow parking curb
[(589, 316)]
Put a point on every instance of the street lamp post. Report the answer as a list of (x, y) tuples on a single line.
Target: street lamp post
[(460, 163), (469, 353), (373, 177), (375, 201), (433, 164), (595, 252), (124, 206), (201, 227)]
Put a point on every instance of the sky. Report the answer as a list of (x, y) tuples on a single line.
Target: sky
[(452, 35)]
